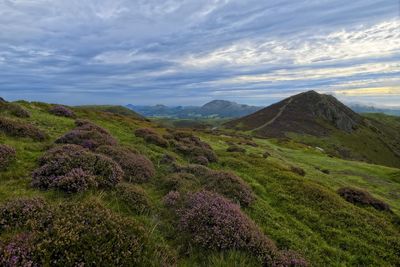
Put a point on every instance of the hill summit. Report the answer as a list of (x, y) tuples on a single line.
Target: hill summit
[(305, 113)]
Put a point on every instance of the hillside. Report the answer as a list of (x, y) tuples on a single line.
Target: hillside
[(371, 109), (213, 109), (323, 121), (83, 186)]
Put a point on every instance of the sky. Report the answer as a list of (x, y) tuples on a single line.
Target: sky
[(189, 52)]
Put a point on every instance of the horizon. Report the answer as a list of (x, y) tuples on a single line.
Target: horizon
[(189, 53)]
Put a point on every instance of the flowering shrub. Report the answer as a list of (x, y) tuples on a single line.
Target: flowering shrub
[(62, 111), (15, 110), (19, 251), (150, 136), (181, 182), (213, 222), (357, 196), (201, 160), (289, 258), (7, 155), (87, 135), (167, 159), (22, 212), (229, 185), (235, 148), (172, 199), (18, 129), (190, 145), (134, 197), (76, 180), (72, 168), (137, 168)]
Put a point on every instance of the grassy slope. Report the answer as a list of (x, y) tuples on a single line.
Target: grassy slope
[(300, 213)]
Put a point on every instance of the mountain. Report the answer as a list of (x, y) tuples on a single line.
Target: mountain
[(213, 109), (371, 109), (322, 121)]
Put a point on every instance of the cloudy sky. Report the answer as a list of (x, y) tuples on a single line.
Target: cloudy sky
[(190, 51)]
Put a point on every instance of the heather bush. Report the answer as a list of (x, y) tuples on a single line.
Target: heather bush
[(213, 222), (363, 198), (180, 182), (167, 159), (23, 212), (62, 111), (7, 155), (150, 136), (88, 135), (134, 197), (18, 129), (266, 155), (201, 160), (89, 234), (15, 110), (192, 146), (297, 170), (172, 199), (72, 168), (289, 258), (76, 180), (19, 251), (137, 168), (236, 149), (229, 185)]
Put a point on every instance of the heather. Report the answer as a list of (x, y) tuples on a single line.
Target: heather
[(71, 168), (14, 110), (235, 148), (152, 137), (19, 251), (363, 198), (137, 168), (62, 111), (7, 156), (87, 135), (18, 129), (134, 197)]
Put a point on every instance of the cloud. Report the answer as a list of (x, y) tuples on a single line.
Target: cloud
[(189, 52)]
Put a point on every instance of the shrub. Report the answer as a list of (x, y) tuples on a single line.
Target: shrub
[(88, 135), (76, 180), (62, 111), (236, 149), (23, 212), (298, 170), (19, 251), (360, 197), (134, 197), (201, 160), (7, 155), (180, 182), (62, 166), (290, 258), (167, 159), (172, 199), (266, 154), (137, 168), (213, 222), (150, 136), (190, 145), (89, 234), (229, 185), (15, 110), (18, 129)]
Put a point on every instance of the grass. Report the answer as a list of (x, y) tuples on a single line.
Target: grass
[(299, 213)]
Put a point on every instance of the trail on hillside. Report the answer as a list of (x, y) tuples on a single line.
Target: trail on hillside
[(281, 110)]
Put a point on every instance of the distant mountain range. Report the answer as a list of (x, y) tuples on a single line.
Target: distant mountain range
[(213, 109), (370, 109)]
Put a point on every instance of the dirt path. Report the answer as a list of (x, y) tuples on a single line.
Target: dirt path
[(281, 110)]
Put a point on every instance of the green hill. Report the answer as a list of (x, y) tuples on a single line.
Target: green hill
[(72, 208)]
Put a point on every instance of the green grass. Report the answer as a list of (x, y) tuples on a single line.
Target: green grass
[(299, 213)]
